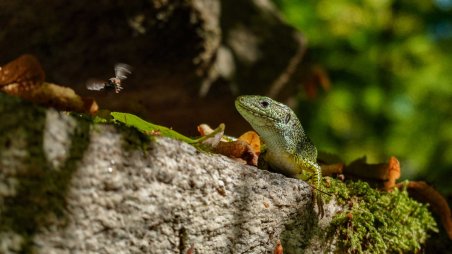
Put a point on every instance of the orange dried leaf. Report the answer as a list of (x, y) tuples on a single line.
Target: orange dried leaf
[(321, 75), (213, 138), (317, 77), (253, 139), (388, 172), (238, 149), (350, 216), (278, 248), (393, 173), (191, 249), (204, 129), (425, 193), (25, 70), (24, 77), (59, 97), (332, 169), (90, 106)]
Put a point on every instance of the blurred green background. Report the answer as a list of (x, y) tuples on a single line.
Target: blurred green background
[(390, 68)]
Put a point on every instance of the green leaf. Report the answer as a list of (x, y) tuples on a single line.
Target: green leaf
[(147, 127)]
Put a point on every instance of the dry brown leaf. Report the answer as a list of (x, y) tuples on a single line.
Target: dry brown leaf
[(253, 139), (90, 106), (238, 149), (386, 172), (191, 249), (213, 138), (332, 169), (317, 77), (425, 193), (24, 70), (59, 97), (205, 129), (278, 248), (393, 173), (246, 147), (24, 77)]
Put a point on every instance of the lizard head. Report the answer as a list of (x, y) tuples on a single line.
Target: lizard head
[(262, 113), (281, 131)]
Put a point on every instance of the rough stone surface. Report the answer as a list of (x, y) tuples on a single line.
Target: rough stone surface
[(68, 186)]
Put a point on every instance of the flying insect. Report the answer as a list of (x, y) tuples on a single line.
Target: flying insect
[(121, 72)]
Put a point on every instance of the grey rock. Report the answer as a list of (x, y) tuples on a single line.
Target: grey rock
[(70, 186)]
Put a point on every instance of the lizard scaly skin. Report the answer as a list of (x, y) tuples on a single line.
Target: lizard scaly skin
[(289, 149)]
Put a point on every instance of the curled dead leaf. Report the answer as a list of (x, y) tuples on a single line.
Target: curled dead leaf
[(205, 130), (393, 173), (332, 169), (253, 139), (388, 173), (238, 149), (24, 77), (90, 106), (191, 249), (213, 139), (246, 147), (425, 193), (278, 248), (317, 77), (350, 216), (24, 71), (59, 97)]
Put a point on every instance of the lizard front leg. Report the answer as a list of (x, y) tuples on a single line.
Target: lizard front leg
[(314, 170), (318, 190)]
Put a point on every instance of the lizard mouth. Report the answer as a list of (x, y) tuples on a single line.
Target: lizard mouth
[(253, 111)]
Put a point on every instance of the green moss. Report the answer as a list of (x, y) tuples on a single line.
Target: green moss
[(379, 222)]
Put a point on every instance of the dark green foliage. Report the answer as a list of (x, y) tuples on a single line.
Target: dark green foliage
[(390, 65)]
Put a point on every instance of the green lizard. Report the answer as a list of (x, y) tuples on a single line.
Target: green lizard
[(289, 149)]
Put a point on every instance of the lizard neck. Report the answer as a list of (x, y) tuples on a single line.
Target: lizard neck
[(287, 145), (291, 139)]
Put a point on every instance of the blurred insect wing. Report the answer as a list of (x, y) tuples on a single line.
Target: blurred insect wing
[(122, 70), (94, 84)]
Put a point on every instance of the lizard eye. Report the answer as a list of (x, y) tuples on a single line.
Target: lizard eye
[(287, 118), (264, 104)]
